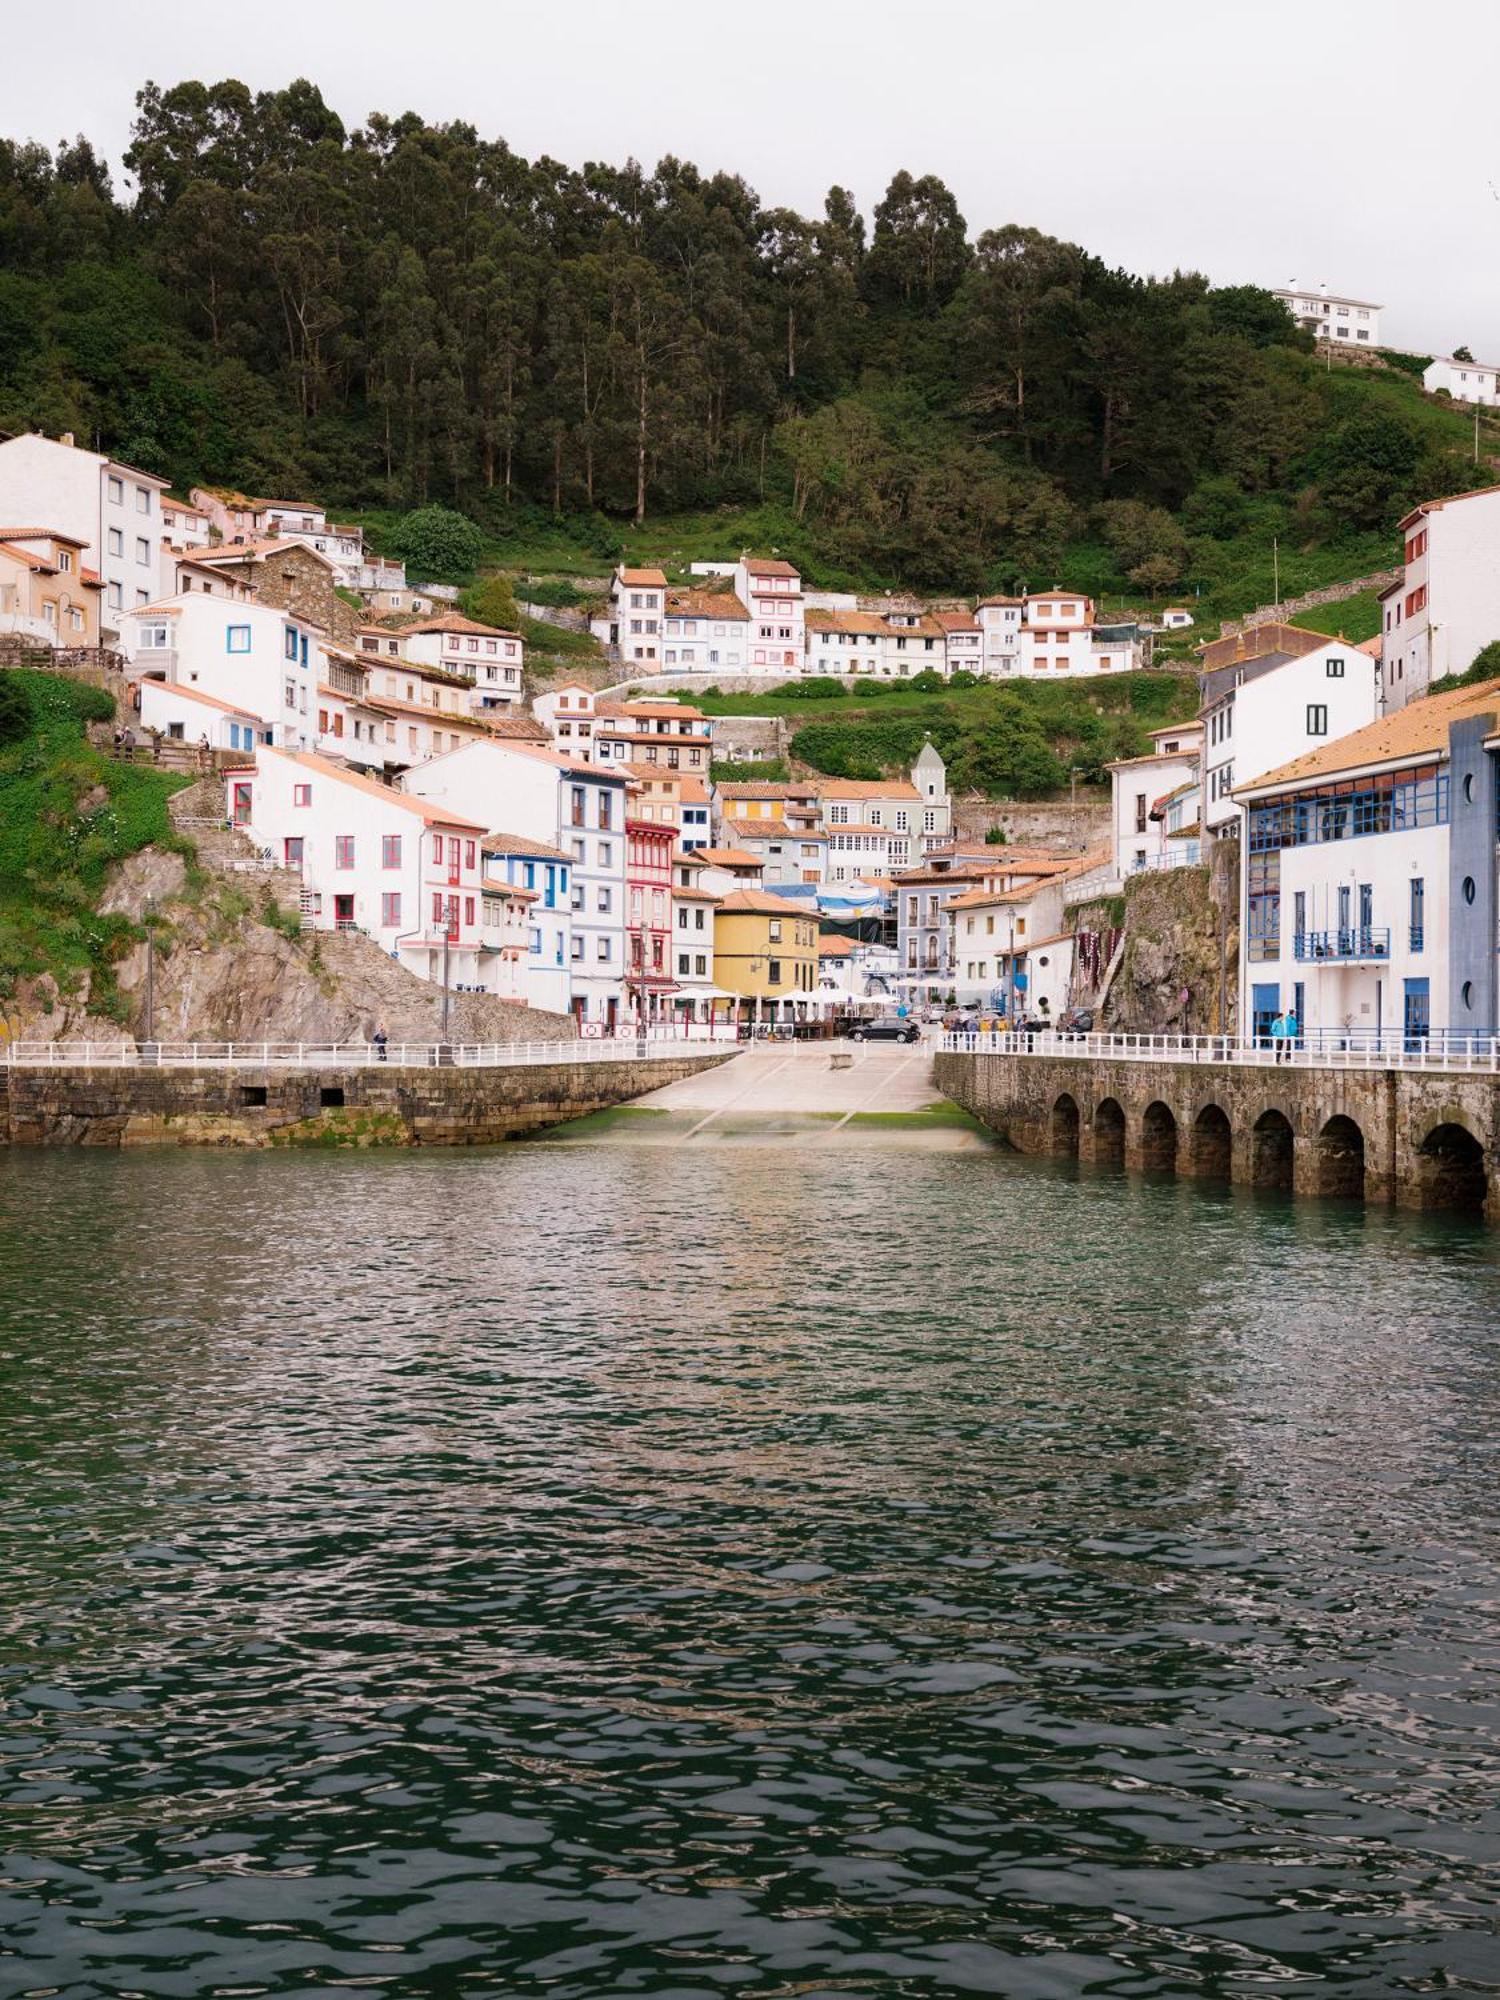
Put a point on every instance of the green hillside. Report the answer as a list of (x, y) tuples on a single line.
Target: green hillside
[(67, 814)]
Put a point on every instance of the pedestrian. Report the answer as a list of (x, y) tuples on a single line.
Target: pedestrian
[(205, 753), (379, 1038), (1293, 1029), (1278, 1036)]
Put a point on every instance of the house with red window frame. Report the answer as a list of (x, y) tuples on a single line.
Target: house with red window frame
[(1445, 607), (649, 846), (404, 870)]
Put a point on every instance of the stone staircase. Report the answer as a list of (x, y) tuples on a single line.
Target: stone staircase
[(197, 812)]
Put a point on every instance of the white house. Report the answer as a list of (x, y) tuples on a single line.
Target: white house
[(632, 628), (188, 715), (1330, 316), (692, 949), (1000, 628), (566, 712), (705, 632), (1176, 619), (1057, 633), (670, 733), (113, 510), (894, 644), (1255, 711), (489, 658), (1369, 880), (963, 641), (543, 875), (771, 592), (267, 662), (371, 859), (1464, 381), (1446, 607), (561, 802), (1140, 789)]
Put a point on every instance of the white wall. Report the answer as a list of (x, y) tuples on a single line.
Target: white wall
[(1271, 718)]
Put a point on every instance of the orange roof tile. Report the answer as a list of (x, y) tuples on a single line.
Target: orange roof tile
[(434, 815), (643, 579)]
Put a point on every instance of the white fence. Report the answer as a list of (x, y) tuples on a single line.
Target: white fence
[(654, 1047), (1451, 1053)]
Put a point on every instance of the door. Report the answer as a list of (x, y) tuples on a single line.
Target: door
[(1344, 939), (1265, 1005), (1366, 915), (1416, 1018), (454, 852), (343, 912), (1299, 1008)]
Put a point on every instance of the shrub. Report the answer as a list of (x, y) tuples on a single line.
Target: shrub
[(15, 708), (490, 600), (436, 542)]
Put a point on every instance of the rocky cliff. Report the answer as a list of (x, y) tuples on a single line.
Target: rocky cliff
[(1177, 974)]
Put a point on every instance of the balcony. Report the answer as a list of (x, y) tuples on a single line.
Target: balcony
[(1358, 944), (347, 680)]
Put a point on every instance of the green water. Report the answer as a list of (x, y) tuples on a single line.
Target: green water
[(609, 1570)]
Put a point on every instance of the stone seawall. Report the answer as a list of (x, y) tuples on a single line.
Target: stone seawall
[(354, 1106), (1419, 1139)]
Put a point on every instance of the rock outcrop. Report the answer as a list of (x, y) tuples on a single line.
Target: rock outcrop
[(1178, 972)]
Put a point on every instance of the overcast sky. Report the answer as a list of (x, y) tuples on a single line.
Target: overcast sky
[(1257, 140)]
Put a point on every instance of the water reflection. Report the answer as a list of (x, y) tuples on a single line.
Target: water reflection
[(594, 1571)]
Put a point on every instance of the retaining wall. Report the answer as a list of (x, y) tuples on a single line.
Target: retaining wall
[(1420, 1139), (356, 1106)]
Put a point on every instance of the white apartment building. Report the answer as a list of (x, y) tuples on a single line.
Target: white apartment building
[(771, 592), (963, 641), (403, 870), (112, 510), (1369, 880), (1330, 316), (1255, 711), (1464, 381), (999, 620), (692, 959), (1446, 608), (544, 875), (267, 663), (894, 645), (1057, 633), (669, 733), (489, 658), (633, 627), (564, 803), (705, 632), (1140, 790)]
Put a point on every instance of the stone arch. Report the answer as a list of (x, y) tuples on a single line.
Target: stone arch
[(1451, 1169), (1271, 1151), (1158, 1139), (1109, 1132), (1063, 1132), (1341, 1158), (1212, 1144)]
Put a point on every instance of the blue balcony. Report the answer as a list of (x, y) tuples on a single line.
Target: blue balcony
[(1352, 946)]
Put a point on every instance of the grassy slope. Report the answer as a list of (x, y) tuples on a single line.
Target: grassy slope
[(1353, 618), (67, 814)]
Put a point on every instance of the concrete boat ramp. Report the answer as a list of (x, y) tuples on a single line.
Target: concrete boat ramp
[(801, 1093)]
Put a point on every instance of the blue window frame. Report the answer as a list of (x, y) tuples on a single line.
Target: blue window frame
[(289, 643), (1417, 1018), (1418, 912), (237, 639), (1265, 1005)]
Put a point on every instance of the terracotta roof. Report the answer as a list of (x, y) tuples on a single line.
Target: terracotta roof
[(984, 602), (685, 895), (260, 550), (761, 789), (40, 535), (866, 788), (761, 903), (668, 710), (1418, 730), (835, 947), (196, 694), (424, 809), (704, 604), (454, 621), (643, 579), (728, 857), (451, 719), (763, 566), (91, 578), (25, 556), (1437, 506), (518, 843), (956, 621), (858, 624)]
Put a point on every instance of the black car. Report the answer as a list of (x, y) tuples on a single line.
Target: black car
[(1079, 1022), (891, 1028)]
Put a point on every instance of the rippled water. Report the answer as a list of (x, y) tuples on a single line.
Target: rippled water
[(604, 1571)]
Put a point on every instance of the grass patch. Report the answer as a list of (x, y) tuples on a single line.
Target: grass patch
[(941, 1116), (1357, 618), (68, 814), (610, 1119)]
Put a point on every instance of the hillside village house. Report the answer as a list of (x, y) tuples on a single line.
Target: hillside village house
[(999, 621), (237, 517), (188, 715), (183, 570), (766, 952), (1057, 633), (649, 844), (963, 642), (780, 825), (1011, 948), (559, 802), (705, 632), (542, 874), (46, 592), (894, 644), (489, 658), (652, 732), (771, 591), (1330, 317), (697, 998), (1464, 381), (1446, 607), (371, 859), (266, 662), (184, 526), (109, 511), (1176, 619), (923, 933), (1140, 788), (1369, 879), (1254, 711), (566, 712), (632, 629), (287, 577)]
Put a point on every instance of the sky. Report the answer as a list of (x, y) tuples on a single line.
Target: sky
[(1260, 141)]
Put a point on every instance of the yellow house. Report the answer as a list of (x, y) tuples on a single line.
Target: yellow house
[(766, 950), (45, 591)]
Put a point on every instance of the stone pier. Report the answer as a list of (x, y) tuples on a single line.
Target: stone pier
[(1420, 1138), (353, 1105)]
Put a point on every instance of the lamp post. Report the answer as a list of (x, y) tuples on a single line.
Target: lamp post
[(150, 970)]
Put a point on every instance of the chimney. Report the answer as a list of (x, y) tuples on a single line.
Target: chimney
[(66, 438)]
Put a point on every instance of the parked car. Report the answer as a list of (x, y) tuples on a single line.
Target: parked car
[(889, 1028), (1079, 1021)]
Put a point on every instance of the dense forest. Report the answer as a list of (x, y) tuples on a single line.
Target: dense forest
[(406, 313)]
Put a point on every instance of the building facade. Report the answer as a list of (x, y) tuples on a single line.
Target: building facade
[(1446, 607), (1254, 711), (110, 511), (1329, 316)]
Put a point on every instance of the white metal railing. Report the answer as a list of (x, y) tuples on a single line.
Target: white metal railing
[(1451, 1053), (625, 1046)]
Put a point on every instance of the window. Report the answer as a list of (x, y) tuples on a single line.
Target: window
[(289, 643), (469, 911), (578, 796), (1140, 812), (774, 970), (603, 951), (683, 962), (390, 911), (606, 809), (1418, 912), (1335, 669), (237, 639), (155, 638), (143, 500), (390, 850), (142, 550), (291, 694), (302, 795), (343, 850), (469, 855), (116, 490), (605, 902), (606, 854), (1317, 718)]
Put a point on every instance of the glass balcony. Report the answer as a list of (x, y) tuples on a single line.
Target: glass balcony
[(1352, 945)]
